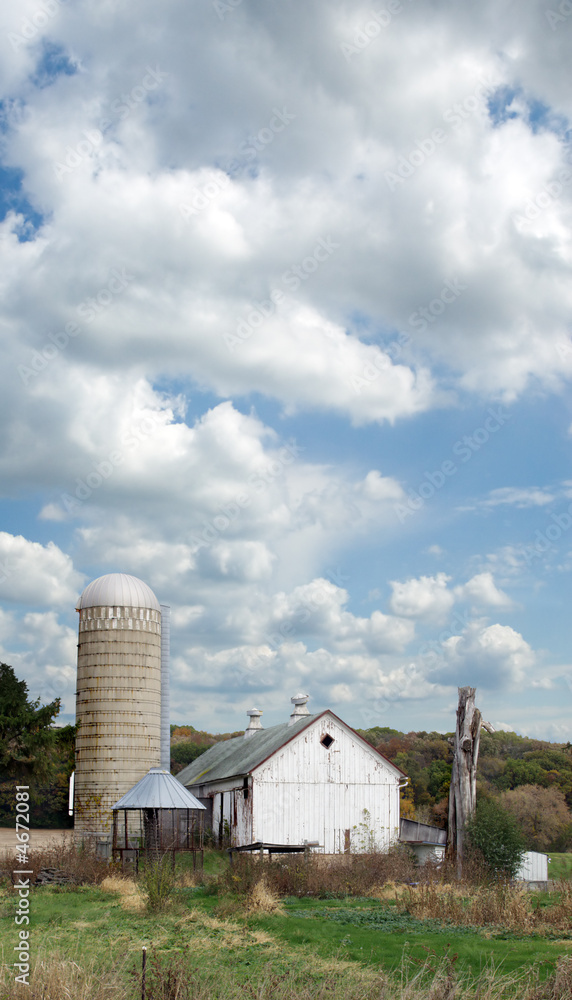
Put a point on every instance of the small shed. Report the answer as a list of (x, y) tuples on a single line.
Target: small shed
[(310, 780), (428, 843), (534, 870), (157, 816)]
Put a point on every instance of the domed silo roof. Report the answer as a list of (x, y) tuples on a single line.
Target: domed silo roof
[(118, 589)]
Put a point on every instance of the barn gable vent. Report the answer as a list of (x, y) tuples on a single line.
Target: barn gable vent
[(327, 741)]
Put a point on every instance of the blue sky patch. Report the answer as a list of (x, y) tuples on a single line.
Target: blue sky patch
[(13, 199), (53, 63)]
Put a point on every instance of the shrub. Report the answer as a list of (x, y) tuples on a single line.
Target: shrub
[(319, 875), (158, 881), (493, 834)]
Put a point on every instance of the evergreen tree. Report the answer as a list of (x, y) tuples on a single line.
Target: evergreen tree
[(26, 732)]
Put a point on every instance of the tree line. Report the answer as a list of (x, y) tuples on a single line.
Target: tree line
[(530, 779)]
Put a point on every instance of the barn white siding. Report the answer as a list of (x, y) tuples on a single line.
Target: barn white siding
[(344, 795)]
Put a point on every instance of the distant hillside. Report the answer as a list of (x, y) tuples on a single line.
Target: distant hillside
[(532, 778), (188, 743)]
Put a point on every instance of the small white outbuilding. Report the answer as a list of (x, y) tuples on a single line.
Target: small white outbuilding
[(310, 780), (534, 869)]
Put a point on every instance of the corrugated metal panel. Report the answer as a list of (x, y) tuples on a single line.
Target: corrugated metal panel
[(158, 790), (411, 830), (534, 867)]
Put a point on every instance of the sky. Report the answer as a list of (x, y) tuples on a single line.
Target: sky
[(285, 321)]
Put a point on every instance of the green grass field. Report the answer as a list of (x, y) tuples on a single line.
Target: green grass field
[(89, 940), (348, 937), (560, 866), (384, 942)]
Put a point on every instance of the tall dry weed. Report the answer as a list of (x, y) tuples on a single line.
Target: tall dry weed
[(263, 900), (58, 979), (500, 905), (176, 977), (319, 875)]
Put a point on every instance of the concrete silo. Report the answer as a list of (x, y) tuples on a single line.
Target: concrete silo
[(118, 701)]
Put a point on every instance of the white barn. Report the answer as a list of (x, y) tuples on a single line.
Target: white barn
[(310, 780)]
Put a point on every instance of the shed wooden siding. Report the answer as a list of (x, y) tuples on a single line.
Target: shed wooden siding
[(308, 792)]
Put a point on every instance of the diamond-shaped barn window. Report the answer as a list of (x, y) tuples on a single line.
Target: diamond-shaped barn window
[(327, 741)]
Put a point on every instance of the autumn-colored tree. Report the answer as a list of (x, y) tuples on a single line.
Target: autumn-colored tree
[(407, 804), (188, 743), (541, 813)]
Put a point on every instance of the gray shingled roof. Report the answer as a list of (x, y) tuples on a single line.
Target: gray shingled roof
[(240, 755), (158, 789)]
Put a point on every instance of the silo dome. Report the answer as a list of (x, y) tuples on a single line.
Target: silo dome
[(118, 590)]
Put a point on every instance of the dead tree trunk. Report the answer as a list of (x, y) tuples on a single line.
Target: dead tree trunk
[(463, 790)]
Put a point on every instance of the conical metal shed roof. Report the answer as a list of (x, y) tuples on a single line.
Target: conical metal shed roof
[(158, 789)]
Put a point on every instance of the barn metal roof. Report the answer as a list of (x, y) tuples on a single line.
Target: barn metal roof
[(239, 756), (118, 590), (158, 789)]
